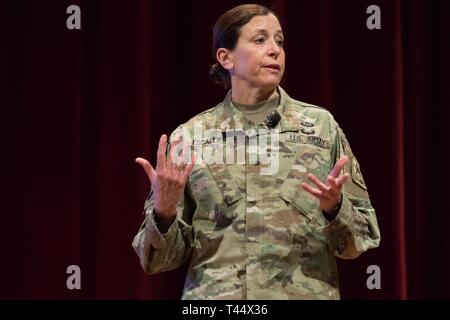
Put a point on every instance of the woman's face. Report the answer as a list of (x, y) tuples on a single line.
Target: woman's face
[(258, 58)]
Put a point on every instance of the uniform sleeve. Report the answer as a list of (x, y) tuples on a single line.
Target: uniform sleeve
[(355, 227), (161, 252)]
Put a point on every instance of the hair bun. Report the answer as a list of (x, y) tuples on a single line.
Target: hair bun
[(217, 73)]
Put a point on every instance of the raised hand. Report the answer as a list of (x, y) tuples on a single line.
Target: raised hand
[(168, 179), (329, 193)]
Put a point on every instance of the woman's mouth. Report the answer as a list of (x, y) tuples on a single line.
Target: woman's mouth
[(275, 67)]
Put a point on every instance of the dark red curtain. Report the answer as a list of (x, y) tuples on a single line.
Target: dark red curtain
[(77, 106)]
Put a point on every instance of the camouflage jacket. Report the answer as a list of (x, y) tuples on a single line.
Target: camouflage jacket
[(249, 235)]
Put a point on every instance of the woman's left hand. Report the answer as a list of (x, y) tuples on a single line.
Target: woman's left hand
[(329, 193)]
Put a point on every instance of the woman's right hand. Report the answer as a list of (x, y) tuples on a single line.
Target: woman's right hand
[(167, 180)]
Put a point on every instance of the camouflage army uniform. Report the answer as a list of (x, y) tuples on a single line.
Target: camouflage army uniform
[(253, 236)]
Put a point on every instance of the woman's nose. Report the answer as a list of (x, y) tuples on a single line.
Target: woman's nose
[(274, 49)]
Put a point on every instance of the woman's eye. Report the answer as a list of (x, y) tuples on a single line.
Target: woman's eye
[(259, 40), (280, 42)]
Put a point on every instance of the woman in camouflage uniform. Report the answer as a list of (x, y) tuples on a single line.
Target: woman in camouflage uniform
[(252, 228)]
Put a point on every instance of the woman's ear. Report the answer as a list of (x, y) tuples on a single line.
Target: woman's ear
[(225, 58)]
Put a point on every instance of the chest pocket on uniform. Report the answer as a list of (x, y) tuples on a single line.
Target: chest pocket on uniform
[(300, 199), (216, 192), (308, 159)]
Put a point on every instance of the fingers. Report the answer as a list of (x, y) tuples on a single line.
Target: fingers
[(311, 190), (161, 154), (343, 179), (338, 166), (322, 187), (336, 186), (190, 166), (338, 182), (148, 168), (333, 188), (187, 171), (174, 157), (333, 183)]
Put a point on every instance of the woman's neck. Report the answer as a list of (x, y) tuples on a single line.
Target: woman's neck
[(250, 96)]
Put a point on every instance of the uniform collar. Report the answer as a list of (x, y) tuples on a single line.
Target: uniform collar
[(229, 118)]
